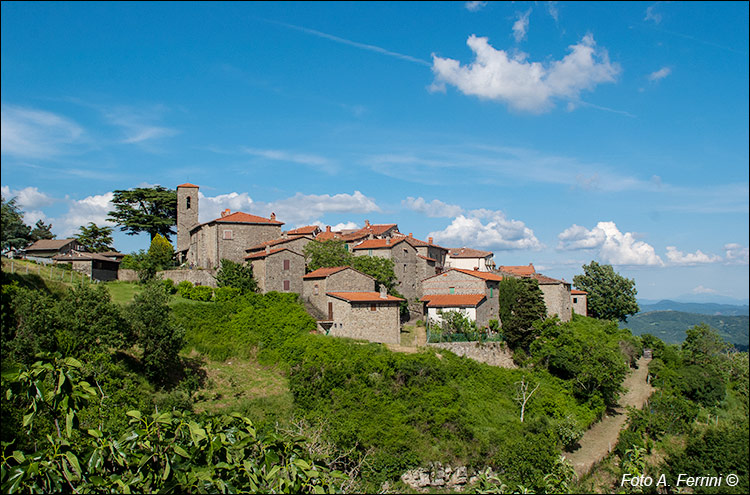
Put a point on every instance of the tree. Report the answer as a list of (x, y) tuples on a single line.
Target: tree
[(15, 233), (95, 239), (236, 275), (521, 304), (523, 395), (326, 254), (610, 295), (41, 231), (145, 209)]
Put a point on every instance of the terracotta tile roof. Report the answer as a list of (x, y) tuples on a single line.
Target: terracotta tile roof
[(187, 184), (453, 300), (545, 280), (357, 234), (262, 254), (576, 292), (419, 243), (49, 244), (521, 271), (275, 242), (324, 272), (373, 297), (307, 230), (480, 274), (465, 252), (380, 243), (426, 258), (240, 217)]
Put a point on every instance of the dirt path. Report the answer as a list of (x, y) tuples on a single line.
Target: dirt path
[(600, 439)]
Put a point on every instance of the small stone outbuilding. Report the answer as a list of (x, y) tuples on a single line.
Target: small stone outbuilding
[(317, 283), (279, 270), (372, 316), (579, 302)]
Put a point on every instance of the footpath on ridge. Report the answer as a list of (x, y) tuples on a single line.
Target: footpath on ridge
[(601, 438)]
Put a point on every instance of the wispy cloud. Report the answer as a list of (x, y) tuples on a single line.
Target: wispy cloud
[(659, 74), (344, 41), (652, 15), (312, 160), (737, 254), (433, 209), (139, 124), (521, 26), (475, 6), (526, 86), (32, 133)]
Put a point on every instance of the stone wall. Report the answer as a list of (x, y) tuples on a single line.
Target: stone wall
[(127, 275), (579, 304), (358, 321), (275, 275), (492, 353), (349, 280), (557, 300), (196, 277)]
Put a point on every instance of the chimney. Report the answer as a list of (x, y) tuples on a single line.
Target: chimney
[(284, 235), (476, 268), (225, 213), (410, 235), (273, 216), (387, 241), (328, 228), (383, 292), (367, 223), (429, 240)]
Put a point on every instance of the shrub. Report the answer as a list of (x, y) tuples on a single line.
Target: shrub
[(169, 286), (184, 288), (201, 293), (226, 294)]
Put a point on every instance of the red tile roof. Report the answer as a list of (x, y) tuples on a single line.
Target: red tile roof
[(465, 252), (275, 242), (357, 234), (380, 243), (373, 297), (426, 258), (419, 243), (307, 230), (453, 300), (480, 274), (326, 271), (262, 254), (187, 184), (579, 292), (240, 217), (521, 271), (545, 280)]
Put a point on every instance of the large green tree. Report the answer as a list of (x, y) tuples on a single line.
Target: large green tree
[(95, 239), (145, 209), (610, 295), (521, 304), (15, 233), (236, 275), (326, 254), (41, 231)]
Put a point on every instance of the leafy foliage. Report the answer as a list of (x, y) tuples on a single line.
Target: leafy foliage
[(326, 254), (236, 275), (610, 295), (145, 209), (41, 231), (95, 239), (521, 305), (15, 233)]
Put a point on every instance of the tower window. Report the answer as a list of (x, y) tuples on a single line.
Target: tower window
[(187, 203)]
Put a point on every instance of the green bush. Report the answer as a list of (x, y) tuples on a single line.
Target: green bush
[(169, 286), (222, 294), (184, 288), (201, 293)]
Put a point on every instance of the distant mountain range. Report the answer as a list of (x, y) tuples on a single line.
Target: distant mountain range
[(670, 326), (648, 306)]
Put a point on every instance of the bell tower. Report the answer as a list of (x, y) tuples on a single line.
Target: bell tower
[(187, 215)]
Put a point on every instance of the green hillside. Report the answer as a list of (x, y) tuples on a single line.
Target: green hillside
[(670, 326)]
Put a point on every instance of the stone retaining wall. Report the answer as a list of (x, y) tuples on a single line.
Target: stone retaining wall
[(196, 277), (492, 353), (127, 275)]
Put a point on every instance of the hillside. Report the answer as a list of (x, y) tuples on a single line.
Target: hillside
[(670, 326), (699, 308)]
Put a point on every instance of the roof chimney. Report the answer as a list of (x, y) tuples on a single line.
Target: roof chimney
[(328, 228), (383, 292), (367, 223), (225, 213), (273, 216), (476, 268), (429, 240), (410, 235)]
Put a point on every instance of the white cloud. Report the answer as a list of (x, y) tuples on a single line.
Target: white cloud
[(305, 208), (316, 161), (703, 290), (651, 15), (659, 74), (552, 9), (496, 233), (81, 212), (521, 26), (210, 207), (338, 227), (475, 6), (736, 254), (699, 257), (525, 86), (614, 247), (28, 197), (32, 133), (433, 209)]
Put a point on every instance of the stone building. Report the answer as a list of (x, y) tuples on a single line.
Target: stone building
[(95, 265), (404, 257), (518, 271), (372, 316), (204, 245), (352, 237), (316, 284), (279, 270), (579, 302), (556, 295), (294, 243), (431, 259), (470, 259), (465, 282), (474, 306), (47, 248)]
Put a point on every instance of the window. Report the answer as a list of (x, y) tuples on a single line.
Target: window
[(451, 290), (286, 285), (330, 311), (575, 300), (228, 235), (490, 291), (316, 289), (373, 307), (187, 203), (369, 252), (286, 264)]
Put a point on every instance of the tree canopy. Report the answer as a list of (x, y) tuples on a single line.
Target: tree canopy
[(610, 295), (521, 304), (145, 209), (15, 233), (41, 231), (95, 239)]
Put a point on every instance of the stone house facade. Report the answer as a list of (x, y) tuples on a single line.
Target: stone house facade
[(294, 243), (404, 257), (279, 270), (372, 316), (556, 295), (431, 259), (47, 248), (579, 302), (316, 284), (474, 306), (95, 265), (470, 259), (204, 245), (466, 282)]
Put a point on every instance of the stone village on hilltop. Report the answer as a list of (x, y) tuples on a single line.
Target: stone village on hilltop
[(432, 278)]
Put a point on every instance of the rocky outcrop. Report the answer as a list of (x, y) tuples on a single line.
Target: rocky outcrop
[(492, 353), (437, 475)]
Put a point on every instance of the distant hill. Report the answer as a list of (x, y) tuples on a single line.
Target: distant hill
[(700, 308), (670, 326)]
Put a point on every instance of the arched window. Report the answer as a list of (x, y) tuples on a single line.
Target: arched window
[(187, 202)]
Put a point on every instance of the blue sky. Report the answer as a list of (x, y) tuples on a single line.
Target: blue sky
[(547, 132)]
